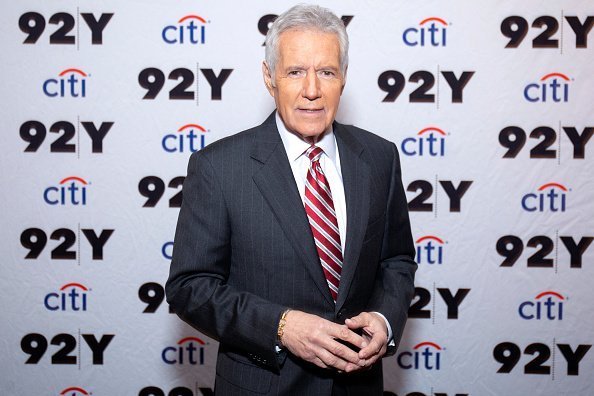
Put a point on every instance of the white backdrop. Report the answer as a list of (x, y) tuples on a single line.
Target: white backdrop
[(495, 147)]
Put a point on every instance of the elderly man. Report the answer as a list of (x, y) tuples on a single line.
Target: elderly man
[(293, 246)]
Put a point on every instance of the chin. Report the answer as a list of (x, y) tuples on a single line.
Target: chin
[(313, 133), (315, 130)]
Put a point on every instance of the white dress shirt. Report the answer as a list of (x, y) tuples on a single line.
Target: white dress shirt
[(330, 163)]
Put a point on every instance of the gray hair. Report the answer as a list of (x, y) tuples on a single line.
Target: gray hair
[(306, 17)]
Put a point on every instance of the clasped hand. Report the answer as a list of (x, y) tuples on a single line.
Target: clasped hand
[(322, 342)]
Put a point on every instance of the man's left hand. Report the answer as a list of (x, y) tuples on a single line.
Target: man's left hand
[(374, 331)]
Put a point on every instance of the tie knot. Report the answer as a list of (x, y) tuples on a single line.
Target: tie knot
[(314, 153)]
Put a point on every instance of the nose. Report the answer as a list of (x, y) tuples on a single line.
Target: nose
[(311, 86)]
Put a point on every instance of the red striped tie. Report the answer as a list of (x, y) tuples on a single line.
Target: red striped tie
[(322, 220)]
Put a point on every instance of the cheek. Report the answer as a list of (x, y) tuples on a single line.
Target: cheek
[(288, 98), (334, 98), (334, 91)]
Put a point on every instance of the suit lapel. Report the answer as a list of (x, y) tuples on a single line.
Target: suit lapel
[(355, 176), (276, 183)]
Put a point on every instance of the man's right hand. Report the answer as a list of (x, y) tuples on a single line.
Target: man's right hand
[(314, 340)]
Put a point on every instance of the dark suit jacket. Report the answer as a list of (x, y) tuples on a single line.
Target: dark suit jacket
[(244, 252)]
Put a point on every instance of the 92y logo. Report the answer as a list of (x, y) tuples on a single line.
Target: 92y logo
[(454, 194), (33, 24), (509, 355), (153, 295), (153, 188), (422, 299), (35, 132), (393, 82), (153, 80), (35, 345), (35, 240), (513, 138), (511, 248), (516, 29)]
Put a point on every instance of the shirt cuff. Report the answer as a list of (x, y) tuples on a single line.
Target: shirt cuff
[(390, 334)]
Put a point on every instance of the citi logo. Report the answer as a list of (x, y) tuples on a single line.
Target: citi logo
[(551, 87), (189, 138), (429, 250), (424, 356), (70, 83), (430, 32), (429, 141), (189, 350), (547, 305), (71, 190), (550, 197), (189, 29), (70, 297), (74, 391)]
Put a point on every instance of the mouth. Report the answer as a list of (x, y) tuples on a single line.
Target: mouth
[(310, 111)]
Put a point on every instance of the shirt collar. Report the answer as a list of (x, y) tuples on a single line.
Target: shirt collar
[(295, 146)]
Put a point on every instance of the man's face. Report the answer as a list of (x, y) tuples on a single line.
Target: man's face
[(308, 81)]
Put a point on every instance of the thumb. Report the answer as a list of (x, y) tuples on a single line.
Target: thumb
[(355, 322)]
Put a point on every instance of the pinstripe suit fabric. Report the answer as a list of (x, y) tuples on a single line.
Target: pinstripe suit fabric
[(244, 252)]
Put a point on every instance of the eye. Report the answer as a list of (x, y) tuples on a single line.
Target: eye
[(295, 73), (326, 73)]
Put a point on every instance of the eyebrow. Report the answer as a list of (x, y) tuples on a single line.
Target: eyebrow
[(302, 67)]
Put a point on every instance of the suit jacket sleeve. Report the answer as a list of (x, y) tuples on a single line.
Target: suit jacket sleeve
[(197, 289), (394, 285)]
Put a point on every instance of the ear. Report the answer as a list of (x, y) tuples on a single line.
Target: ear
[(267, 78)]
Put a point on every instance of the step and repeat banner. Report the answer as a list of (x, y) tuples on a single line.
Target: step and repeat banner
[(489, 103)]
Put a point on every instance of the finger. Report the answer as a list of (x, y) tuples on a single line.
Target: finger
[(329, 349), (318, 362), (351, 368), (377, 342), (328, 346), (347, 335), (375, 356), (359, 321), (331, 360), (347, 353)]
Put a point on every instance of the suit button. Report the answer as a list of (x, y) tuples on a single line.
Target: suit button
[(340, 315)]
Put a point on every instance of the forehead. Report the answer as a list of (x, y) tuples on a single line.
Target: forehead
[(307, 45)]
